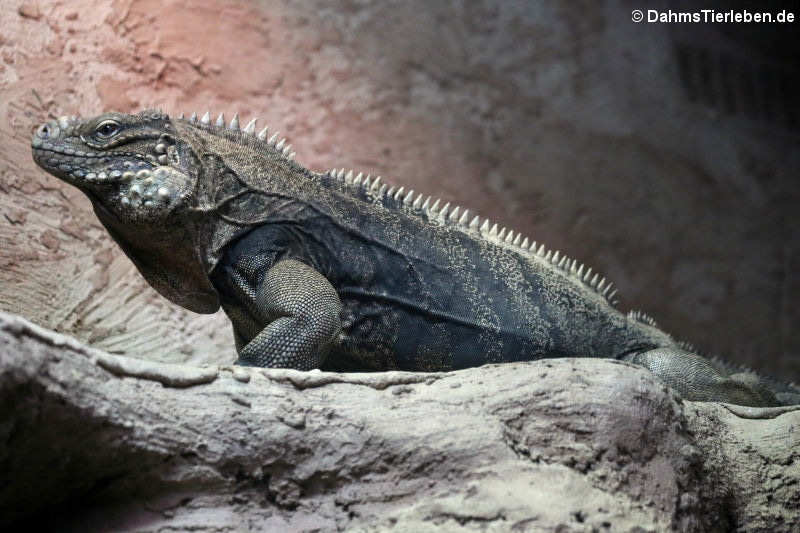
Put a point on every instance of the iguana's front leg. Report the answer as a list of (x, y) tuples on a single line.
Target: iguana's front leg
[(300, 309), (696, 378)]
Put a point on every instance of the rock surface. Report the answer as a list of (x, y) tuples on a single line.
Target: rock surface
[(565, 121), (95, 441)]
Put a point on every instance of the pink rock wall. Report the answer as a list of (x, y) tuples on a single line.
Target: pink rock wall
[(567, 122)]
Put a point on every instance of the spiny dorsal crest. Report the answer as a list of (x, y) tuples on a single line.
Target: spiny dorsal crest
[(728, 368), (274, 140), (688, 346), (644, 318), (391, 196)]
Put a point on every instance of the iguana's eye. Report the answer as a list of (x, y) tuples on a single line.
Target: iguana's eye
[(107, 129)]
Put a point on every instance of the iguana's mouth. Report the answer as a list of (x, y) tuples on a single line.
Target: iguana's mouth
[(61, 160), (75, 163)]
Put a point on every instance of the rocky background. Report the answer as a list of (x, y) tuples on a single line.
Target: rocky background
[(665, 156)]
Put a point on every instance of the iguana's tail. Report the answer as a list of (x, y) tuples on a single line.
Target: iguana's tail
[(785, 393), (699, 378)]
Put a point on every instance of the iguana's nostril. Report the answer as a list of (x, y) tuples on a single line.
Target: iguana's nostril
[(48, 130), (43, 131)]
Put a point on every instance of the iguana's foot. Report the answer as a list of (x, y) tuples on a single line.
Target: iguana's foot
[(699, 379)]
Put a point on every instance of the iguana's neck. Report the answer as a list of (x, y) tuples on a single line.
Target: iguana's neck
[(167, 257)]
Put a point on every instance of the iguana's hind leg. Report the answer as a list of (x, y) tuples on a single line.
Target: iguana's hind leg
[(696, 378), (301, 311)]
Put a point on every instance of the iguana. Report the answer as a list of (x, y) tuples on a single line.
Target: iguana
[(345, 272)]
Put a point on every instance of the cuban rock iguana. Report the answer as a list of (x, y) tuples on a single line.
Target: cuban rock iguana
[(345, 272)]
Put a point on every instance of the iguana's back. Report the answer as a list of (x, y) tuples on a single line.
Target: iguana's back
[(423, 291)]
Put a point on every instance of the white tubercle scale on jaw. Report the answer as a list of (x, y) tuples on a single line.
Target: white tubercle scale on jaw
[(149, 189)]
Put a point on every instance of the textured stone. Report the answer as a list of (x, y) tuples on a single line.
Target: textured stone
[(567, 444)]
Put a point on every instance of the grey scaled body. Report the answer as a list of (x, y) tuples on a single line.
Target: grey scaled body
[(345, 272)]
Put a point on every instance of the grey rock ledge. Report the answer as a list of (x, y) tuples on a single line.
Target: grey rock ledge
[(92, 440)]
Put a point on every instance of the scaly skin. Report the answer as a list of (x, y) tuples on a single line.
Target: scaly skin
[(342, 272)]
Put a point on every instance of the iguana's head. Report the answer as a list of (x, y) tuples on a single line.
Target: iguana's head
[(172, 193), (131, 166), (141, 177)]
